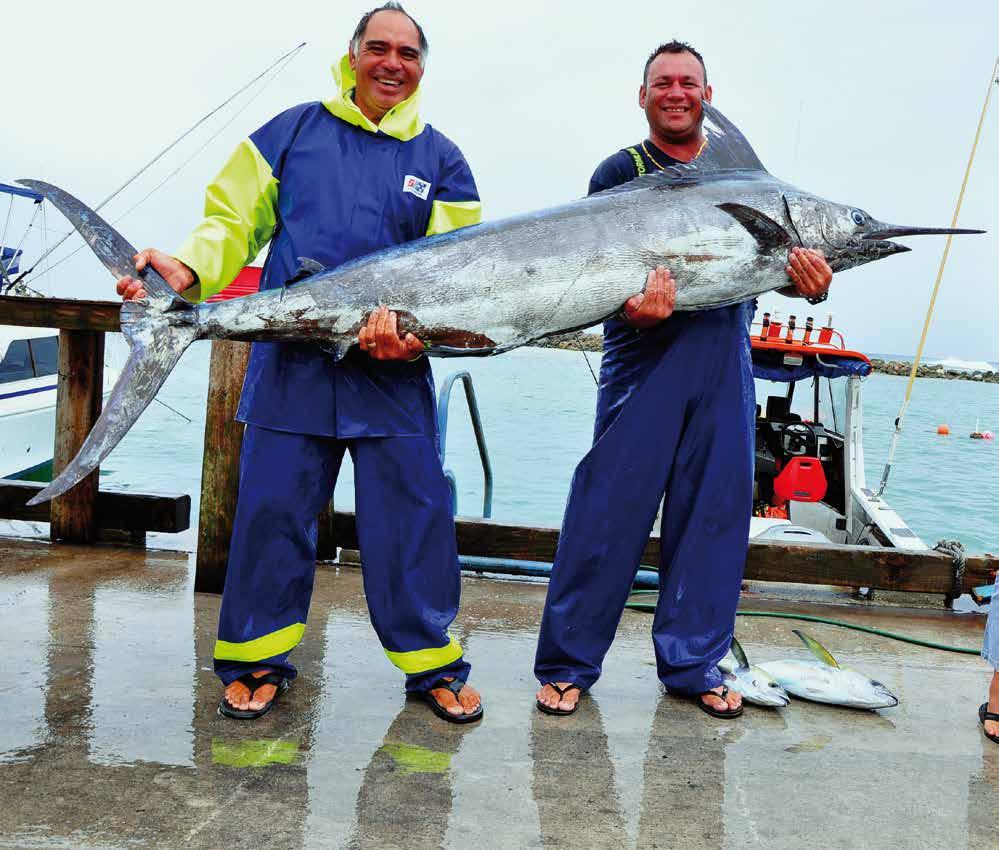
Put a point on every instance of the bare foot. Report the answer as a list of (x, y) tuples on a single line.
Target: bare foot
[(466, 702), (714, 699), (239, 696), (550, 697)]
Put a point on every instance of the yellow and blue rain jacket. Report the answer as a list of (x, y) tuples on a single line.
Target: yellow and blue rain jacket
[(322, 181)]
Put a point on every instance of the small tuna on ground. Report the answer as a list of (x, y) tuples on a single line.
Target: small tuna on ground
[(824, 680)]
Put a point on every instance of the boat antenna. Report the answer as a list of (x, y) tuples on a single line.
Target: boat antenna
[(993, 80), (284, 58)]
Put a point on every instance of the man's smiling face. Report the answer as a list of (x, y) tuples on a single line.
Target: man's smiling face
[(671, 97), (386, 63)]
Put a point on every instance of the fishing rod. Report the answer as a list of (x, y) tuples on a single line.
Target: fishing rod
[(283, 58), (993, 80)]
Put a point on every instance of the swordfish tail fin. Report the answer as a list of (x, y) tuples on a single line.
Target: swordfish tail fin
[(157, 344), (159, 329), (113, 249)]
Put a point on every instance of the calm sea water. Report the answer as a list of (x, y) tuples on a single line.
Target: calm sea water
[(537, 410)]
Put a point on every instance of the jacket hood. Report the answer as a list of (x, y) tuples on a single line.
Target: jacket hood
[(402, 121)]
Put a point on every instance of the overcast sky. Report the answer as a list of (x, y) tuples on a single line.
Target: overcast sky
[(872, 108)]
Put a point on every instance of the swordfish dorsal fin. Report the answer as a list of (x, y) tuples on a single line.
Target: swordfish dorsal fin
[(726, 150), (817, 649)]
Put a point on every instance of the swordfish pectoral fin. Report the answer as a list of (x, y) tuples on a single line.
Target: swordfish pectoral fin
[(148, 366), (769, 235), (816, 648)]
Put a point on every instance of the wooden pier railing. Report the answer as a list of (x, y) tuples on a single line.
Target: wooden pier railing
[(848, 566), (82, 512)]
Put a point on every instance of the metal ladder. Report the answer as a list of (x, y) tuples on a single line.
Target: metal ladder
[(443, 402)]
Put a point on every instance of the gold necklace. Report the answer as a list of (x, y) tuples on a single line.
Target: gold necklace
[(655, 162)]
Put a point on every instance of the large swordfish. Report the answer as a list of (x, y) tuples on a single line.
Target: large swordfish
[(722, 225)]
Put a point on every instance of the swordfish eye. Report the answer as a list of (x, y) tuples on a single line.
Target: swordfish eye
[(858, 217)]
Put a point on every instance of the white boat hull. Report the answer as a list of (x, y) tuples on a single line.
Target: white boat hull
[(27, 425)]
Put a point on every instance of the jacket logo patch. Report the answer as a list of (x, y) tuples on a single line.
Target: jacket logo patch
[(416, 186)]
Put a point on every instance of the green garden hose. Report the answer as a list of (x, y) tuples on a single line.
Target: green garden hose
[(644, 606)]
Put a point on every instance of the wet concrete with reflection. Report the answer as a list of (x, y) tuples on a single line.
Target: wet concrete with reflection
[(109, 736)]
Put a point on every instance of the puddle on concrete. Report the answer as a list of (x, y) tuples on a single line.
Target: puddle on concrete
[(110, 738)]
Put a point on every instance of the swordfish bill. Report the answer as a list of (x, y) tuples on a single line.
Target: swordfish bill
[(721, 224)]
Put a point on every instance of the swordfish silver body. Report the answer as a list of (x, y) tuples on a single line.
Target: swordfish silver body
[(500, 285), (722, 225)]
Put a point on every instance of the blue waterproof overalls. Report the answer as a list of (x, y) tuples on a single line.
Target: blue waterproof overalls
[(674, 416), (323, 182)]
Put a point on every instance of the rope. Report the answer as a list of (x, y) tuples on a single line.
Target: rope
[(994, 79), (955, 549), (587, 359), (10, 284), (166, 150)]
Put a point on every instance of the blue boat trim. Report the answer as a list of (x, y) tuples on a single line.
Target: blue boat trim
[(7, 189), (26, 392)]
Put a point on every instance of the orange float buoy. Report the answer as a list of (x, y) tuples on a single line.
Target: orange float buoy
[(943, 430)]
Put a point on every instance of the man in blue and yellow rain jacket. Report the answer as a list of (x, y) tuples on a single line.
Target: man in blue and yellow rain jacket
[(333, 181)]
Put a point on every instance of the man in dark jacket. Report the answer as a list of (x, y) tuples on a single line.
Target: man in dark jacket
[(674, 416)]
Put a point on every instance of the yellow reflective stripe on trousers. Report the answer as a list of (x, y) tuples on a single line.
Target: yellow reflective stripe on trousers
[(422, 660), (446, 216), (265, 646)]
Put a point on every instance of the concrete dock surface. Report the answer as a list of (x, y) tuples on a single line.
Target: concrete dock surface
[(109, 736)]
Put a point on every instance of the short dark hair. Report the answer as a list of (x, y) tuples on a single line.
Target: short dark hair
[(391, 6), (673, 47)]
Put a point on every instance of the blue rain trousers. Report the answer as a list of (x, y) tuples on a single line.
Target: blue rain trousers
[(990, 646), (674, 415), (406, 534)]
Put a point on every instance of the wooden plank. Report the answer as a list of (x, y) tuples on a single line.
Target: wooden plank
[(767, 560), (220, 469), (136, 512), (73, 517), (66, 313)]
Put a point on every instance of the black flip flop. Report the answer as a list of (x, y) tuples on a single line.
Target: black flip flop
[(983, 715), (727, 714), (454, 686), (560, 712), (227, 709)]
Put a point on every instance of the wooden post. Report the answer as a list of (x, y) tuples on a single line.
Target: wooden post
[(220, 468), (326, 543), (78, 404)]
